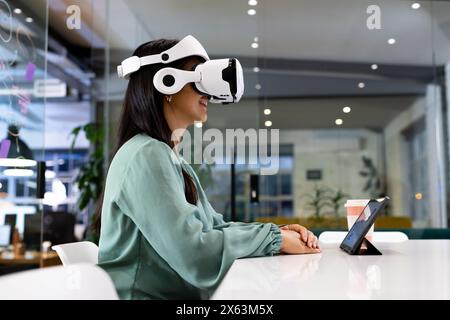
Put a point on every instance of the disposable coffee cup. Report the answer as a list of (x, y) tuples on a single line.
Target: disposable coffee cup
[(354, 208)]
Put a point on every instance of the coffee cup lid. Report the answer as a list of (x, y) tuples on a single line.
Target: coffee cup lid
[(356, 203)]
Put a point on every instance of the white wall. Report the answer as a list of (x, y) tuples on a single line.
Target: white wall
[(429, 108), (396, 180), (338, 153), (436, 171)]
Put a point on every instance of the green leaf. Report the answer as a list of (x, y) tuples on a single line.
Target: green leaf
[(90, 177), (75, 132), (84, 200)]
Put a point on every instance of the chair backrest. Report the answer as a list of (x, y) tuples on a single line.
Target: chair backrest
[(378, 236), (77, 252), (76, 282)]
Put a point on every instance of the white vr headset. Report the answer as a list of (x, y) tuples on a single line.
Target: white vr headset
[(220, 79)]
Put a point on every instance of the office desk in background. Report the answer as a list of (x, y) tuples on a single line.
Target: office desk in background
[(415, 269), (34, 258)]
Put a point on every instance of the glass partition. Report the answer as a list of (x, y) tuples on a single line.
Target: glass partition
[(357, 91), (23, 82)]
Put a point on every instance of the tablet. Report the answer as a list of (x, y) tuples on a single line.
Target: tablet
[(354, 239)]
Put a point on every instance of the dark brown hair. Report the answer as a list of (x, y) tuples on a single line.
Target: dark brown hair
[(142, 112)]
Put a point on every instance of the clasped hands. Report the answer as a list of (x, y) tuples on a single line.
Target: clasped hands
[(297, 240)]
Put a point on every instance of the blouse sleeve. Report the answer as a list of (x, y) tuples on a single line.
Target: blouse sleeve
[(152, 195)]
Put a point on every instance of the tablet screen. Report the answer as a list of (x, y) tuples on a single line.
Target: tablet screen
[(362, 224)]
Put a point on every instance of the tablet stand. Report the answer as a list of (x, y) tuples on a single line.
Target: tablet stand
[(366, 248)]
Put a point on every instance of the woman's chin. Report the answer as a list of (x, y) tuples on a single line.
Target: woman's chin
[(202, 118)]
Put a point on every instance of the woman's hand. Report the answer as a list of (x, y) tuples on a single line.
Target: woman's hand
[(306, 236), (297, 239)]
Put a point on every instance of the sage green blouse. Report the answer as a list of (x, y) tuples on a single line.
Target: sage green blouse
[(156, 245)]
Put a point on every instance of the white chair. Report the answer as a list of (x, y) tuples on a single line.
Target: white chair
[(76, 282), (378, 236), (77, 252)]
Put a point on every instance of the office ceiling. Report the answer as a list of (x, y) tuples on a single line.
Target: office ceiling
[(306, 113), (289, 31), (329, 30)]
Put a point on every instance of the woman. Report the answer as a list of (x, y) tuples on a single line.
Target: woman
[(160, 238)]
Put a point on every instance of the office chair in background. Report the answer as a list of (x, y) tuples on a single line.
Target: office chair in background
[(77, 252), (77, 282)]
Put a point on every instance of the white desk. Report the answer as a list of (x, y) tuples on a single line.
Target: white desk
[(415, 269)]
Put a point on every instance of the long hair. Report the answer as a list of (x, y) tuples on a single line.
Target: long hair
[(142, 112)]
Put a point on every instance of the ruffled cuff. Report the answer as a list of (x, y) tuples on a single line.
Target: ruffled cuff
[(277, 239)]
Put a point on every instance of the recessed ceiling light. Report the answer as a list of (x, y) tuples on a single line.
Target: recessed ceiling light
[(338, 122), (17, 11), (267, 111), (346, 109), (361, 85), (255, 45), (199, 124), (257, 86), (415, 5), (391, 41), (251, 12), (16, 162), (256, 69), (268, 123), (374, 66), (252, 2), (29, 20)]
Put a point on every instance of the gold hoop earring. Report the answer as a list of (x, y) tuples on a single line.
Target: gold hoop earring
[(169, 99)]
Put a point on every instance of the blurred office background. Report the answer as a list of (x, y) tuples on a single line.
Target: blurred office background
[(360, 97)]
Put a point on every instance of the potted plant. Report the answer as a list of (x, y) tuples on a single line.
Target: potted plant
[(336, 199), (375, 185), (318, 200), (324, 197), (90, 177), (370, 172)]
